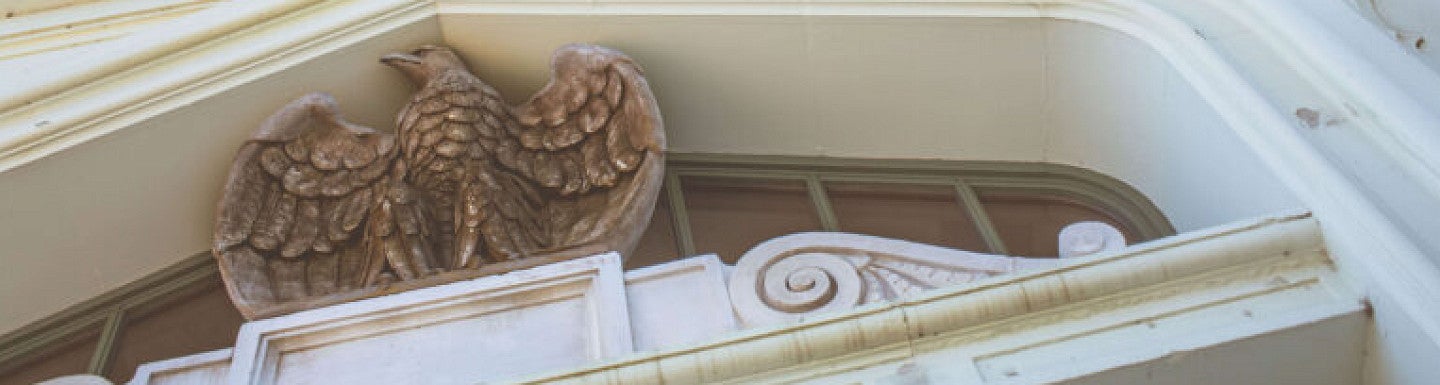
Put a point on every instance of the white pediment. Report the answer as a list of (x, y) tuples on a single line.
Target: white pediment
[(1026, 321)]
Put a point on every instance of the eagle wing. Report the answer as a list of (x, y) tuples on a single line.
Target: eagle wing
[(593, 123), (594, 137), (299, 195)]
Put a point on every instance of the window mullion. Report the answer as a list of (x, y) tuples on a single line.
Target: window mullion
[(972, 205), (679, 215), (821, 202), (105, 347)]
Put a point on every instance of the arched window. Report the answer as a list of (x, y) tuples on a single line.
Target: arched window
[(725, 204)]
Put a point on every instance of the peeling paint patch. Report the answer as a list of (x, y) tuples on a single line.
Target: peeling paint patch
[(1308, 117), (1313, 118)]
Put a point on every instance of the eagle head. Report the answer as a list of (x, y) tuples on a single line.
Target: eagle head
[(423, 63)]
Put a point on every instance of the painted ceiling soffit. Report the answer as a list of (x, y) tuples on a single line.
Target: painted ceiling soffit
[(38, 32), (173, 63)]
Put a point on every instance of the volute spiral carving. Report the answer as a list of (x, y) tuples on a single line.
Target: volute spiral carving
[(790, 278)]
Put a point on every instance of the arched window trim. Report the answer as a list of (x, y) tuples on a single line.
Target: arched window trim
[(969, 178)]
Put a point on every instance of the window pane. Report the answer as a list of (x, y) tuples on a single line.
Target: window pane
[(728, 216), (72, 357), (1030, 223), (200, 322), (920, 213), (658, 243)]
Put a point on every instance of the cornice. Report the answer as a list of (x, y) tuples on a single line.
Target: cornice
[(1152, 282), (86, 24), (176, 63)]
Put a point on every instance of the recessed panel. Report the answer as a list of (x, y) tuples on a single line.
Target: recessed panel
[(545, 336)]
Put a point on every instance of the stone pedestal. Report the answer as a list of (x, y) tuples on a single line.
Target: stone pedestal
[(548, 318)]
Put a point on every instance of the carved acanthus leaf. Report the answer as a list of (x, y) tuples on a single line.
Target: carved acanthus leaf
[(789, 278)]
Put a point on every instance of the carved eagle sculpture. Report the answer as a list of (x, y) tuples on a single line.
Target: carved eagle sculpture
[(318, 210)]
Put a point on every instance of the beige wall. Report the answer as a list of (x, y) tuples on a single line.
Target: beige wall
[(86, 220), (1036, 90)]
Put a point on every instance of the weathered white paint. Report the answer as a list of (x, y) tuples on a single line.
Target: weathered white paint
[(77, 379), (44, 35), (1413, 24), (1153, 304), (211, 367), (1323, 352), (1256, 283), (678, 303), (1089, 237), (801, 276), (549, 317)]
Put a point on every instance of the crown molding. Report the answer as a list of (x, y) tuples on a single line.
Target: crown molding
[(59, 30), (1264, 275), (176, 63)]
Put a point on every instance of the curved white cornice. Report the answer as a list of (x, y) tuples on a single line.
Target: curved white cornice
[(128, 51), (969, 327)]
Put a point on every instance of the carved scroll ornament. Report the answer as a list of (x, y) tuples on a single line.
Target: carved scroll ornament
[(318, 210), (786, 279)]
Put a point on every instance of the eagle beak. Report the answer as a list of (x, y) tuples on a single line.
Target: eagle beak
[(409, 65)]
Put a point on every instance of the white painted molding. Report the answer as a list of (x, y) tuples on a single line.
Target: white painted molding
[(1079, 317), (211, 367), (59, 105), (554, 316), (1237, 281), (76, 379), (791, 278), (1089, 237), (678, 303), (61, 30)]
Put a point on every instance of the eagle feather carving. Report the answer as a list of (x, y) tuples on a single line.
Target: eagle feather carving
[(318, 210)]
